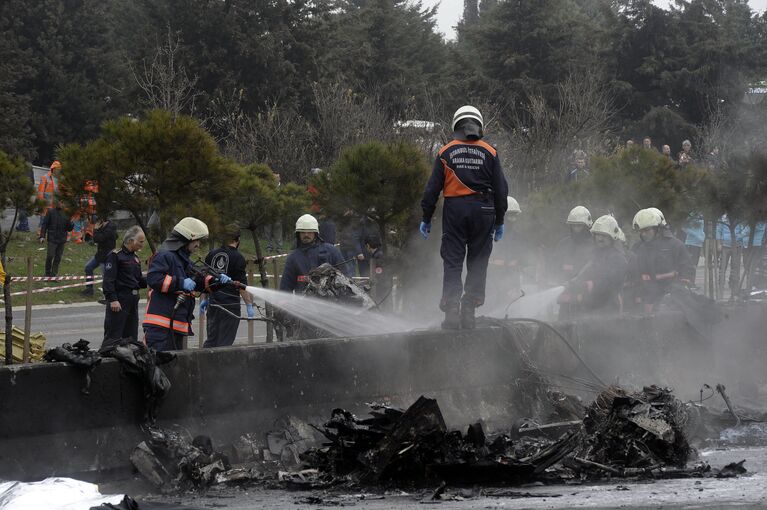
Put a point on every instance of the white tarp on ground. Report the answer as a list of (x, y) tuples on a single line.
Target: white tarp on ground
[(53, 494)]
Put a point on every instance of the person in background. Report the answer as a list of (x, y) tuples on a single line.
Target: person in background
[(48, 189), (223, 323), (685, 156), (310, 252), (467, 172), (580, 170), (662, 259), (666, 151), (122, 281), (54, 228), (573, 251), (105, 238), (647, 143), (598, 286)]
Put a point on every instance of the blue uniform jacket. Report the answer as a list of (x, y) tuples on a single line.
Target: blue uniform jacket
[(462, 168), (305, 258), (165, 278)]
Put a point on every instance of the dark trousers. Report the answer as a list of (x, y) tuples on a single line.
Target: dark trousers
[(467, 228), (53, 258), (122, 324), (23, 225), (221, 327), (161, 339)]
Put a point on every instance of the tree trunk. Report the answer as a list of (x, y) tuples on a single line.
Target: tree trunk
[(735, 255), (8, 314), (7, 238)]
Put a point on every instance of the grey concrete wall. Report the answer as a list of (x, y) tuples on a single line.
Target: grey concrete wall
[(50, 427)]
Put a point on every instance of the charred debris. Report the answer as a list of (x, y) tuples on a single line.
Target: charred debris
[(623, 435)]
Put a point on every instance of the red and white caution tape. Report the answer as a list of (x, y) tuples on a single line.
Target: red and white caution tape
[(49, 278), (54, 289)]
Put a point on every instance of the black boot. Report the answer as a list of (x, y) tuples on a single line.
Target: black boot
[(87, 291), (467, 315), (452, 317)]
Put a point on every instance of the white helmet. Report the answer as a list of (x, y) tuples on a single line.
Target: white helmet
[(307, 223), (579, 216), (646, 219), (513, 205), (606, 225), (659, 213), (191, 229), (467, 112)]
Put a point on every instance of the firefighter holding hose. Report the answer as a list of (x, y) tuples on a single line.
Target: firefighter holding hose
[(172, 282)]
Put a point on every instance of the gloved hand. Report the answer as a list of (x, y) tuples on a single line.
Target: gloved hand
[(203, 306), (498, 233), (251, 310), (224, 279), (189, 284), (425, 228)]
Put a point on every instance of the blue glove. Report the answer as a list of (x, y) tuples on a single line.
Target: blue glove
[(223, 279), (251, 310), (189, 284), (203, 306), (498, 233), (425, 228)]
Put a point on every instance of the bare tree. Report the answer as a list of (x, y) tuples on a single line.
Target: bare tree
[(164, 80), (278, 137), (345, 118), (543, 136)]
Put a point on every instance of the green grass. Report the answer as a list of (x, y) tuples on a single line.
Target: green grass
[(73, 261)]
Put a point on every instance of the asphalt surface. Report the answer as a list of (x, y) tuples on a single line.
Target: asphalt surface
[(747, 491), (69, 323)]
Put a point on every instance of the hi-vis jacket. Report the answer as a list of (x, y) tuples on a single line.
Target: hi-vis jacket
[(48, 190), (465, 168), (165, 279)]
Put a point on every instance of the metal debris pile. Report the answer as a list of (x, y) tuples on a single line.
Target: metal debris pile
[(624, 434), (644, 429), (327, 282), (78, 355)]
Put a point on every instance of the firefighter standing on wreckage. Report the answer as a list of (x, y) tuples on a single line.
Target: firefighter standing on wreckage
[(172, 282), (467, 171), (661, 259)]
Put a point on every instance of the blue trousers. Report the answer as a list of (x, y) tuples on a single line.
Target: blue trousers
[(91, 266), (467, 230)]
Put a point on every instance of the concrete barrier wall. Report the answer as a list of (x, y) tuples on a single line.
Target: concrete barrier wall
[(47, 426), (50, 427)]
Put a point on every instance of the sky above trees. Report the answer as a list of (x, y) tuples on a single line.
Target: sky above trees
[(450, 11)]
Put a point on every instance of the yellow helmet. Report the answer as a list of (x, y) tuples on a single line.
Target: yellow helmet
[(606, 225), (646, 219), (579, 215)]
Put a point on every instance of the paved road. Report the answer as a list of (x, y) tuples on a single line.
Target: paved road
[(744, 492), (69, 323)]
